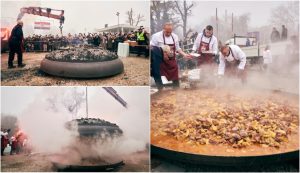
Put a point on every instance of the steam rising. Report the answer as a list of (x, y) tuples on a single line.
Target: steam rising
[(282, 74), (45, 118)]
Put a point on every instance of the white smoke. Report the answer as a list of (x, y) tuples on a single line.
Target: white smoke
[(134, 121), (45, 118), (44, 121)]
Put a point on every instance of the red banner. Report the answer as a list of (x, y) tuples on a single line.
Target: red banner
[(42, 25)]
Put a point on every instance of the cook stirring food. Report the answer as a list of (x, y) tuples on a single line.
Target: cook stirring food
[(168, 66), (232, 62)]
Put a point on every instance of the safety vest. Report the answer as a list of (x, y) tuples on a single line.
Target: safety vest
[(140, 37)]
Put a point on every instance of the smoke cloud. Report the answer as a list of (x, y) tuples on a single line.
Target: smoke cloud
[(44, 121)]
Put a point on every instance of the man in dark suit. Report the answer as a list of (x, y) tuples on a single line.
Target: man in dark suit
[(16, 45)]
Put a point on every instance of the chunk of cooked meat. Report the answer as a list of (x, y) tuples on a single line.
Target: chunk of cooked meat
[(222, 118)]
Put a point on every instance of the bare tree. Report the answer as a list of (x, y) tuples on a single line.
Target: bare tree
[(70, 100), (183, 9), (53, 101), (73, 101), (162, 12), (287, 13), (134, 20), (241, 25), (130, 19), (140, 18)]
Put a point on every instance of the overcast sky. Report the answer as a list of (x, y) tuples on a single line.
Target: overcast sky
[(85, 16), (14, 100), (80, 16), (260, 11)]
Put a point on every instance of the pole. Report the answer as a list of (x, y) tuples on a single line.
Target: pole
[(232, 23), (226, 16), (86, 101), (217, 23), (118, 14)]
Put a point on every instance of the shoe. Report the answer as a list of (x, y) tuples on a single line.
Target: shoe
[(22, 65), (11, 66)]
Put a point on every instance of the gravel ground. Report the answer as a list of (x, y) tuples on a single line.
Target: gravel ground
[(136, 73), (137, 162), (26, 163)]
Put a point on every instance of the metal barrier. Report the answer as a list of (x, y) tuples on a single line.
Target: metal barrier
[(44, 46)]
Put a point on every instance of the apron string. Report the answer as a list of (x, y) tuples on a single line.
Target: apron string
[(165, 40), (208, 41), (231, 52)]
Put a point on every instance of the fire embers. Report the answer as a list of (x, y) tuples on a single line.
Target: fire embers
[(201, 119), (81, 55)]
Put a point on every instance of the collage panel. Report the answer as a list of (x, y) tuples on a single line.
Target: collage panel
[(77, 129), (224, 86), (75, 43), (149, 86)]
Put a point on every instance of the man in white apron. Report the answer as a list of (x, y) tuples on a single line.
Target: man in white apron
[(206, 44), (232, 62), (168, 66)]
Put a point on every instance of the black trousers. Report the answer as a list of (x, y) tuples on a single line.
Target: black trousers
[(142, 49), (176, 84), (11, 57), (158, 83)]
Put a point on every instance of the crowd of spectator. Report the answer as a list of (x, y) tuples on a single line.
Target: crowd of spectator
[(106, 40)]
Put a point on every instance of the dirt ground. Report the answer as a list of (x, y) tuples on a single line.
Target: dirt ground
[(136, 73), (41, 163), (26, 163)]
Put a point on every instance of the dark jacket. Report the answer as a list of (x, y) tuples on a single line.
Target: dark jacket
[(275, 36), (284, 33), (16, 37)]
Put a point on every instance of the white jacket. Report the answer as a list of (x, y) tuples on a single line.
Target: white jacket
[(267, 57), (157, 39), (238, 54), (213, 45)]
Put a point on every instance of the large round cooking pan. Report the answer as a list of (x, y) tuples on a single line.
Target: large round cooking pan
[(84, 168), (224, 160), (82, 69), (202, 159)]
